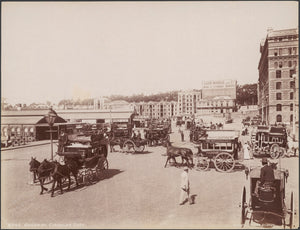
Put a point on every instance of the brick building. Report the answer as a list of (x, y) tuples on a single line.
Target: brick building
[(218, 96), (187, 101), (151, 109), (278, 71)]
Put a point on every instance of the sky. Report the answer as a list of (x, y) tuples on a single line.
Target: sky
[(69, 50)]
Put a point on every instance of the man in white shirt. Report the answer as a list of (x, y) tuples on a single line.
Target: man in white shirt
[(185, 187)]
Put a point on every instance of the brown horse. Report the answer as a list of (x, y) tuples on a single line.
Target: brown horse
[(64, 171), (44, 171), (33, 167), (173, 152)]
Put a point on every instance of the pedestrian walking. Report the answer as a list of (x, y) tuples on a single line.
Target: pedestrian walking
[(246, 151), (185, 187)]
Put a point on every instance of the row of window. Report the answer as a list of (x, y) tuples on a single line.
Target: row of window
[(285, 64), (279, 85), (286, 51), (279, 96), (292, 72), (279, 39), (279, 107), (279, 118)]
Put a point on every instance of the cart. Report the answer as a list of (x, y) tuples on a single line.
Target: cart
[(268, 208), (219, 147)]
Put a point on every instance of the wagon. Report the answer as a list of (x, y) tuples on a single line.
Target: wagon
[(122, 137), (269, 141), (219, 147), (268, 208), (157, 136), (90, 153)]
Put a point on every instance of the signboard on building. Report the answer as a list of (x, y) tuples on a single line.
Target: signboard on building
[(219, 84)]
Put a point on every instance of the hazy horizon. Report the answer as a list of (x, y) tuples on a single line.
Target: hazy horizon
[(62, 50)]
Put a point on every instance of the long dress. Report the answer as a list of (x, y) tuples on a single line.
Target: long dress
[(246, 152), (184, 187)]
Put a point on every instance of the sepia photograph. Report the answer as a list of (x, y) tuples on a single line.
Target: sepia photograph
[(149, 115)]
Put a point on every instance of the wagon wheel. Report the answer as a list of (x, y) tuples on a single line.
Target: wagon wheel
[(224, 162), (80, 176), (243, 207), (139, 148), (202, 163), (101, 166), (129, 146), (274, 151), (89, 175), (292, 213)]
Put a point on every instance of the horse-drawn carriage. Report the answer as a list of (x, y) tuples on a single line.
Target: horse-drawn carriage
[(219, 147), (88, 150), (121, 136), (269, 141), (267, 206), (157, 135)]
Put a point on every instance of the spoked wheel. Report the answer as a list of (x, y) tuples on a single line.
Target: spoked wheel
[(292, 211), (275, 151), (139, 148), (89, 176), (128, 146), (243, 207), (224, 162), (202, 163)]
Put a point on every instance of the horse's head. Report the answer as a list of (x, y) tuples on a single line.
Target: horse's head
[(33, 164), (166, 143)]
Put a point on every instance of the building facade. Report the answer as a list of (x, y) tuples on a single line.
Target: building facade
[(187, 101), (278, 74), (218, 96), (162, 109)]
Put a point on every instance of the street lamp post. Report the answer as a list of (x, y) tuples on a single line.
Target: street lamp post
[(50, 118)]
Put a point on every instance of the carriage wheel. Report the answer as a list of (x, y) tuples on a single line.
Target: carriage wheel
[(139, 148), (102, 165), (128, 146), (224, 162), (89, 175), (202, 163), (274, 151), (243, 207), (292, 213)]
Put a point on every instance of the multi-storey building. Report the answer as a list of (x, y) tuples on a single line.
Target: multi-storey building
[(187, 101), (217, 97), (162, 109), (278, 71)]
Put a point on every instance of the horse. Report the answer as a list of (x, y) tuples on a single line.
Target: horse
[(62, 171), (115, 141), (44, 171), (173, 152), (33, 167)]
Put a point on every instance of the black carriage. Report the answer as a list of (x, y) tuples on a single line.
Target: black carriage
[(122, 136), (267, 206), (219, 147), (88, 149), (269, 141), (157, 136)]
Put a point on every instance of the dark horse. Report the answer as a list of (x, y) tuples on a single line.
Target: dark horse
[(64, 171), (33, 167), (44, 171), (173, 152)]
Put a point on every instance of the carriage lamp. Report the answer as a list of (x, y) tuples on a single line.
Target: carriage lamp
[(50, 118)]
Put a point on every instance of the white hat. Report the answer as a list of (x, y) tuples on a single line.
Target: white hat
[(185, 168)]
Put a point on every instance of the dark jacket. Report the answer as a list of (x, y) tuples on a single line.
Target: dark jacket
[(267, 174)]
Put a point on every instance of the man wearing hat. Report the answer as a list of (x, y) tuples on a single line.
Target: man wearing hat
[(266, 175), (185, 186)]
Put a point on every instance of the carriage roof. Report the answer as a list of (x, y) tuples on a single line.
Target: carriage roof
[(255, 173), (220, 135)]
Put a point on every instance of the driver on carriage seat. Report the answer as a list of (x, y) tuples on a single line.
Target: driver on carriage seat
[(267, 177)]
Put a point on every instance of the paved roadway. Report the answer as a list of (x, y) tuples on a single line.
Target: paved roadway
[(136, 192)]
